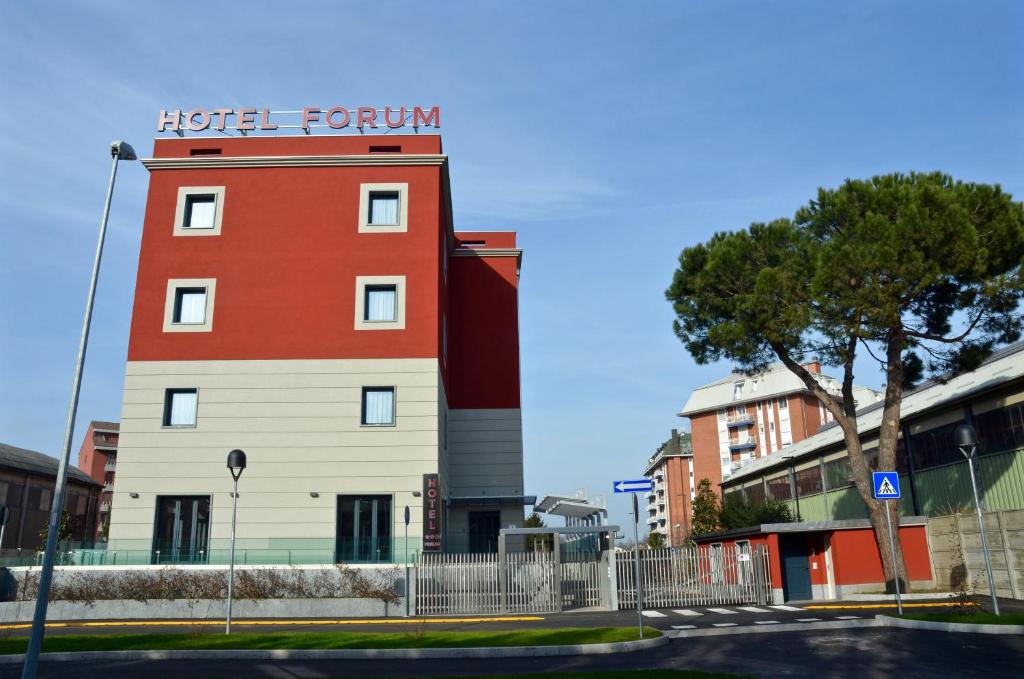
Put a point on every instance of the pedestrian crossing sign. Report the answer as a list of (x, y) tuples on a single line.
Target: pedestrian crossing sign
[(886, 485)]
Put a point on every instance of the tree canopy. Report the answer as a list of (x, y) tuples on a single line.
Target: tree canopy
[(920, 271)]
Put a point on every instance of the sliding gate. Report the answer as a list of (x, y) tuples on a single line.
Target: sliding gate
[(705, 575)]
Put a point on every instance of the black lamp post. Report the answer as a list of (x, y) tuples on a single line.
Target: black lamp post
[(967, 441), (236, 465)]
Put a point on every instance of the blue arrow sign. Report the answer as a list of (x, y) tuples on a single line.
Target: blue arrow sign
[(886, 485), (638, 486)]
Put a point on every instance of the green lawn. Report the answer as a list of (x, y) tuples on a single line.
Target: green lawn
[(979, 618), (300, 640)]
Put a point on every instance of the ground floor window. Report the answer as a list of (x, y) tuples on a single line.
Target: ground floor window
[(483, 531), (182, 529), (364, 529)]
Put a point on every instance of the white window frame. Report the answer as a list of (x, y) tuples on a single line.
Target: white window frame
[(218, 210), (173, 285), (364, 208), (168, 403), (361, 284)]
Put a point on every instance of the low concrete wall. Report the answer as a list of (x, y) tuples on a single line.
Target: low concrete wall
[(203, 609), (958, 559)]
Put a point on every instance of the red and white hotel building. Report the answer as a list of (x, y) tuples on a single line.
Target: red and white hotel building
[(306, 299)]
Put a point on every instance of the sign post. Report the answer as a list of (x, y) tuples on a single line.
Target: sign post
[(634, 487), (886, 486), (407, 590), (4, 514)]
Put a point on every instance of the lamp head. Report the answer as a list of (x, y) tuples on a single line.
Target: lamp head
[(966, 439), (122, 150), (236, 463)]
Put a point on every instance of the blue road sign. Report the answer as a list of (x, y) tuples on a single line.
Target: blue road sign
[(886, 485), (637, 486)]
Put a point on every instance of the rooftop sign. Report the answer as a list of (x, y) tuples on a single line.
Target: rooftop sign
[(245, 120)]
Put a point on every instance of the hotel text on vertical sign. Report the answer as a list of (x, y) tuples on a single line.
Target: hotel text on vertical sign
[(432, 512)]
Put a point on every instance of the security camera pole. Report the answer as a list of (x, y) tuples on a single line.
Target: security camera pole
[(119, 150), (967, 441)]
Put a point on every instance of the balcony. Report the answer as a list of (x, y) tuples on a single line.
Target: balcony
[(110, 466), (652, 520), (743, 443), (652, 507), (104, 508), (740, 419)]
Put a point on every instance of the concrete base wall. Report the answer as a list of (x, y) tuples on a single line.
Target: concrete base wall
[(959, 560), (203, 609)]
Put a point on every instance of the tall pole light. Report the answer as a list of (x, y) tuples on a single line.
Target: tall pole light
[(967, 441), (119, 150), (236, 465)]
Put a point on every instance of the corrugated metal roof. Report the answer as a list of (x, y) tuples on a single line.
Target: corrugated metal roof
[(775, 380), (1002, 367), (23, 460)]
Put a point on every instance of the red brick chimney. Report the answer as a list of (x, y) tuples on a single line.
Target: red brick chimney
[(813, 366)]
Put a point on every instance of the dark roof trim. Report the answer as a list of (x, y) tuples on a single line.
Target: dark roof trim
[(803, 527)]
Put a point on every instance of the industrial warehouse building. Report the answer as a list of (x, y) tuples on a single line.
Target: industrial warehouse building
[(307, 300), (814, 477)]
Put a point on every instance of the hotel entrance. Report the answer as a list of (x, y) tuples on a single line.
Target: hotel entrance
[(182, 529), (364, 529)]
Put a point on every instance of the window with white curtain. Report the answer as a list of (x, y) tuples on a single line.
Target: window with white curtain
[(180, 407), (383, 208), (380, 303), (200, 211), (190, 305), (378, 405)]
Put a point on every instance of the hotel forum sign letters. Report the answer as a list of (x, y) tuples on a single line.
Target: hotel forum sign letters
[(244, 120)]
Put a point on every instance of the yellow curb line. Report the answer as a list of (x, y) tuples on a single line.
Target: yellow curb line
[(256, 623), (907, 605)]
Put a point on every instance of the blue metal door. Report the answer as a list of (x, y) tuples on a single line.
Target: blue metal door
[(796, 567)]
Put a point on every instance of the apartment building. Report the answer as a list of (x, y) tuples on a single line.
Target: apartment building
[(98, 458), (307, 300), (669, 503)]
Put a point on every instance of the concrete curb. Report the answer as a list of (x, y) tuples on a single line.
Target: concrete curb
[(350, 653), (766, 629), (961, 627)]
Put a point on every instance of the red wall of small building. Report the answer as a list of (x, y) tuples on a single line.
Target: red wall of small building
[(855, 556)]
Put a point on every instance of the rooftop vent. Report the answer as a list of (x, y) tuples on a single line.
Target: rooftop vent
[(204, 152)]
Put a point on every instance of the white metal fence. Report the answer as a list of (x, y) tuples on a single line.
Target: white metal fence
[(480, 583), (703, 575)]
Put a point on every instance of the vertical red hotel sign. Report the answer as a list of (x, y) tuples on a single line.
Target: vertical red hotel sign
[(431, 513)]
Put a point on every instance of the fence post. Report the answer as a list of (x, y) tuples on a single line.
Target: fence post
[(613, 581), (556, 554), (503, 572), (1012, 573)]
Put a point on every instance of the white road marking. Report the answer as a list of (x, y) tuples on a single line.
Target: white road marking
[(724, 624), (654, 614), (786, 608), (686, 611), (847, 617), (808, 619), (766, 622), (684, 627), (724, 611), (754, 609)]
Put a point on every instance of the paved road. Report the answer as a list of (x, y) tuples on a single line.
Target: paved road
[(867, 653)]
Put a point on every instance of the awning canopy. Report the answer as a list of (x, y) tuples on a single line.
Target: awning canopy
[(492, 500)]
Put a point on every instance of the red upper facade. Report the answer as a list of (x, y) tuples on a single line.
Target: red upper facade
[(290, 248)]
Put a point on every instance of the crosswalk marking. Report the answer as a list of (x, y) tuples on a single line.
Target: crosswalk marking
[(724, 611), (687, 612), (684, 627), (808, 619), (753, 609), (786, 608), (654, 614), (847, 617), (766, 622), (724, 624)]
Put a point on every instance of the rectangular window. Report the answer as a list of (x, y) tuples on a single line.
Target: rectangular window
[(378, 406), (383, 208), (778, 489), (363, 529), (180, 407), (380, 304), (783, 404), (737, 390), (722, 415), (190, 305), (808, 482), (1001, 429), (182, 530), (200, 211)]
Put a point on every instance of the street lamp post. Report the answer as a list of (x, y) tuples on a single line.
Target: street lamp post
[(119, 150), (236, 464), (967, 441)]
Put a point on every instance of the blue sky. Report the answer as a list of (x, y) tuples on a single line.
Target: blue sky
[(609, 135)]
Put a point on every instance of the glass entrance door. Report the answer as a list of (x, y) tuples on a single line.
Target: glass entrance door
[(364, 529), (182, 529), (483, 531)]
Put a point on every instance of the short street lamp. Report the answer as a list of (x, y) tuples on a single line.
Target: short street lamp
[(408, 516), (236, 465), (967, 441)]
